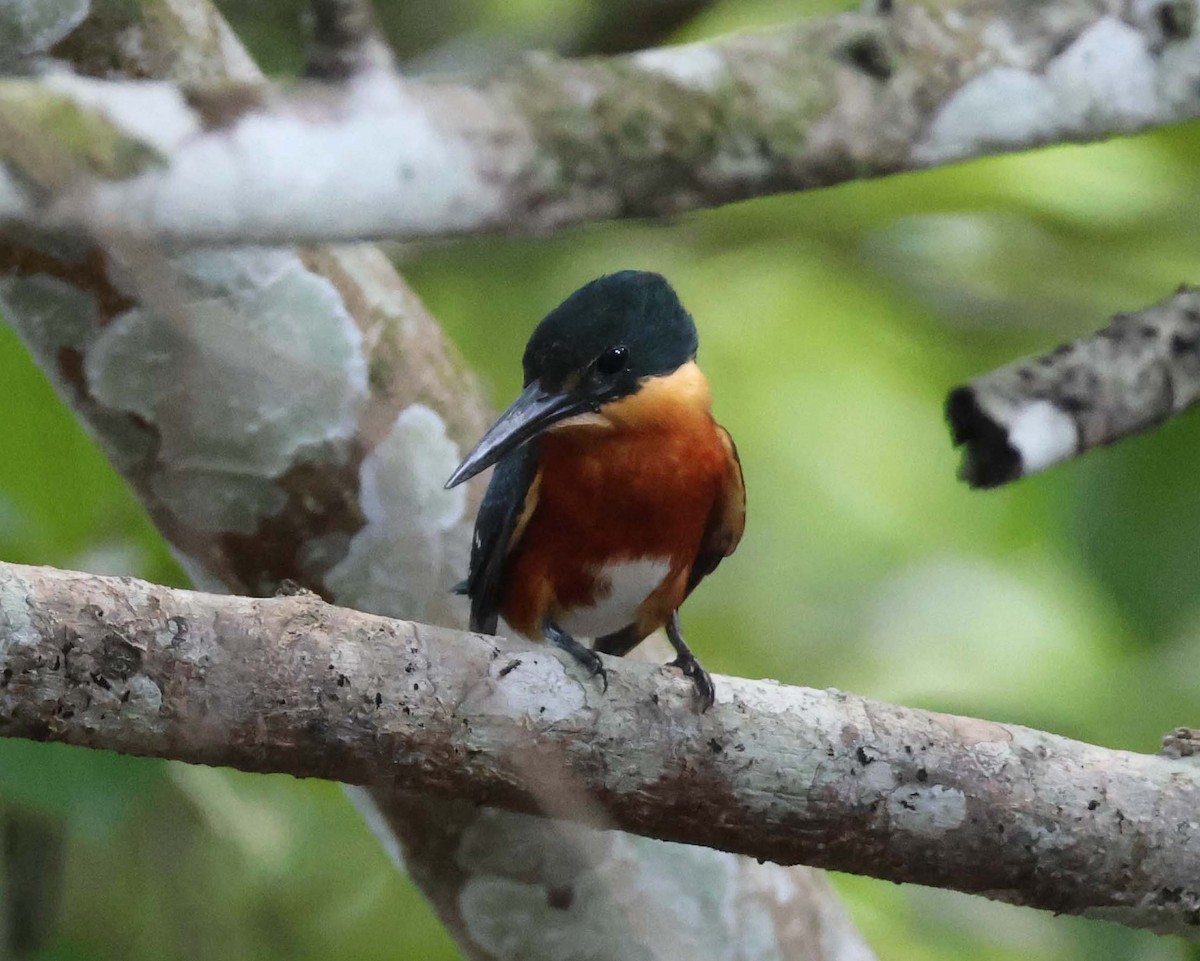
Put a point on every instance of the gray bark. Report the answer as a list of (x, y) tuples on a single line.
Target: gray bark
[(558, 142), (787, 774), (1141, 369)]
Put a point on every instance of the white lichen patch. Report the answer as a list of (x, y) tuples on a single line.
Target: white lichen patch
[(1107, 81), (927, 809), (217, 273), (378, 141), (1001, 107), (769, 697), (992, 758), (401, 563), (879, 776), (16, 625), (777, 759), (143, 705), (154, 113), (1107, 76), (694, 65), (539, 687), (1043, 435), (246, 361)]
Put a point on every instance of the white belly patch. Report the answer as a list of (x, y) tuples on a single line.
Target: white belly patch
[(630, 583)]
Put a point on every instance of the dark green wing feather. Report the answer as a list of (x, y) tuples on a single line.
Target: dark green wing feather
[(501, 515), (726, 521)]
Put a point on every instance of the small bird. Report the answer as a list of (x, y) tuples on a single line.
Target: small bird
[(615, 491)]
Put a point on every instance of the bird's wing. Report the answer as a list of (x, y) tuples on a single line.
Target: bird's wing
[(506, 508), (726, 520)]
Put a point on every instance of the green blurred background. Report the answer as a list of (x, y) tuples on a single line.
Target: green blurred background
[(832, 325)]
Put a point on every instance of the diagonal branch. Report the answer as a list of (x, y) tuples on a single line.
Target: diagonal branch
[(559, 142), (787, 774), (1137, 372)]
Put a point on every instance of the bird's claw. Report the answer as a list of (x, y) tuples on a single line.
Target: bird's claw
[(596, 668), (701, 680), (582, 655)]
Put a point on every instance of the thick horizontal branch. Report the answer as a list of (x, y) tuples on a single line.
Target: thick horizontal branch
[(787, 774), (557, 142), (1141, 369)]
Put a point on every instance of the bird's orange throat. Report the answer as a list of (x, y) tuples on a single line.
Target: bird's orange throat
[(673, 403)]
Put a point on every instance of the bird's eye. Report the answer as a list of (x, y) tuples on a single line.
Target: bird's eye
[(612, 361)]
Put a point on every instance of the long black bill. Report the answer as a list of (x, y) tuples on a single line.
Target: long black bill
[(531, 413)]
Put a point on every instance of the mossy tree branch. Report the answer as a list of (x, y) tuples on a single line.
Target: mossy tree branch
[(558, 142)]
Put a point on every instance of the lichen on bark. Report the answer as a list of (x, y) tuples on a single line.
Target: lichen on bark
[(48, 139)]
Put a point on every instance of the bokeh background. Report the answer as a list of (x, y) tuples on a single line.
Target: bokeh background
[(832, 326)]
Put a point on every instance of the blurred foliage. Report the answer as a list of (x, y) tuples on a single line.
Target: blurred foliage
[(832, 325)]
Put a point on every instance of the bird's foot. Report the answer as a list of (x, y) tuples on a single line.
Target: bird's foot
[(595, 668), (584, 655), (706, 694), (686, 662)]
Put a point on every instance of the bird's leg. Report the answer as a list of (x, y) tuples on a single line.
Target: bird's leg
[(585, 656), (686, 662)]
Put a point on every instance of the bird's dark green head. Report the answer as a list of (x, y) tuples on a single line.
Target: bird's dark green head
[(598, 346), (609, 335)]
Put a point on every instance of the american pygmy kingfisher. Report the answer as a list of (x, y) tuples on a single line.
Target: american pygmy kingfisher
[(615, 491)]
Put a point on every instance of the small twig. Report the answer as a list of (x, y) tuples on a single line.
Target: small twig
[(1129, 377), (346, 40)]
